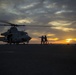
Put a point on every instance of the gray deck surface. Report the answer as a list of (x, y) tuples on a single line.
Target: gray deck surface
[(37, 59)]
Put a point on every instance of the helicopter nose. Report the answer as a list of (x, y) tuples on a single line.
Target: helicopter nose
[(29, 38)]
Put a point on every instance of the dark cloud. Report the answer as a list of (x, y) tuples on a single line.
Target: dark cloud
[(41, 12)]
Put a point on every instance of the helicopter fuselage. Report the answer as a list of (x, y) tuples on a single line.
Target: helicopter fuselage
[(15, 36)]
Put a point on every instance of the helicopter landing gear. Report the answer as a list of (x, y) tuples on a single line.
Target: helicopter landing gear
[(24, 43), (17, 43)]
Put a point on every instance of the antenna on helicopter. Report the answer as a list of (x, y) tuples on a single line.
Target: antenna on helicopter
[(9, 24)]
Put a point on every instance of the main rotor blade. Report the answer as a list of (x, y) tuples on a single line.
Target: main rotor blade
[(10, 24), (6, 22), (4, 25), (37, 26)]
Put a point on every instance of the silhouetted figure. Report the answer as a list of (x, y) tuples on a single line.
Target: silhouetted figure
[(42, 39), (45, 39)]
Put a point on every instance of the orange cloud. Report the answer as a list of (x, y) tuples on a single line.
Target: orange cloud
[(53, 39), (50, 34)]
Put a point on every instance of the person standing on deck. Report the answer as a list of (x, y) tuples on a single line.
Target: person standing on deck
[(42, 39), (45, 39)]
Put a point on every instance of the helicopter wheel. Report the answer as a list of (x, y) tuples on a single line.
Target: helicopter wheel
[(24, 43), (14, 43), (9, 43)]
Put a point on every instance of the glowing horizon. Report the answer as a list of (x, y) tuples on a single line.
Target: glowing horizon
[(55, 41)]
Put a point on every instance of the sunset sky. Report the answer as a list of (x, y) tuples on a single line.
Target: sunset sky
[(59, 14)]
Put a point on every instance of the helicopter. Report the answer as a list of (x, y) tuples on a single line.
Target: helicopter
[(13, 35)]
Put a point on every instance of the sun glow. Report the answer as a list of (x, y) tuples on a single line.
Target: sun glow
[(69, 40)]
